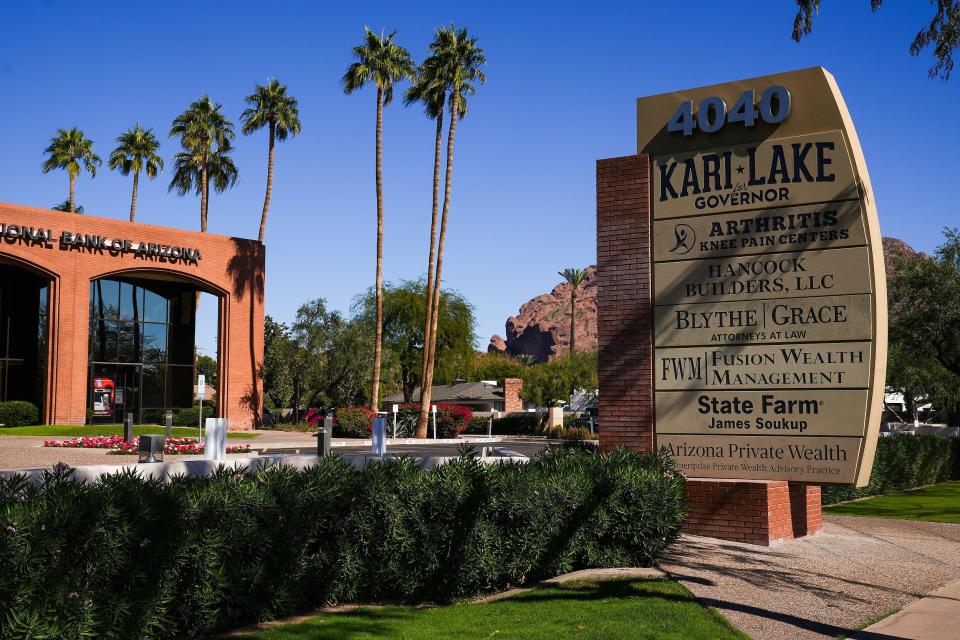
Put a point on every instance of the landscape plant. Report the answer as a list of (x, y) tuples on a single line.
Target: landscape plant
[(206, 135), (71, 150), (902, 462), (270, 107), (456, 61), (18, 413), (382, 62), (126, 557), (136, 152)]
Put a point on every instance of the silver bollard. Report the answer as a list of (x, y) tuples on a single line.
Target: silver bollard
[(128, 428), (168, 417)]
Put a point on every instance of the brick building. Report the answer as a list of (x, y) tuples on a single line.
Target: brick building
[(97, 317)]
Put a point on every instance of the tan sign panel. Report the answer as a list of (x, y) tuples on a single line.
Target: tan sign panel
[(804, 459), (816, 226), (769, 289), (764, 276), (817, 319), (793, 171), (769, 413), (821, 365)]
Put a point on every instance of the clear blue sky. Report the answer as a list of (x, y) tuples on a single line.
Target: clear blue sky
[(562, 80)]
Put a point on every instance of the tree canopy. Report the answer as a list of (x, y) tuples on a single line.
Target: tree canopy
[(943, 31)]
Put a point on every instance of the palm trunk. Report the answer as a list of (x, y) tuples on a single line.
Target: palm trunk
[(425, 388), (266, 199), (377, 345), (73, 201), (428, 317), (133, 199), (204, 197), (573, 320)]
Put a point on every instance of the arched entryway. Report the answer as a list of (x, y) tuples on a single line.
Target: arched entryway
[(24, 334), (142, 345)]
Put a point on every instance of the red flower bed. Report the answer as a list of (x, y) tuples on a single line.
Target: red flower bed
[(119, 446)]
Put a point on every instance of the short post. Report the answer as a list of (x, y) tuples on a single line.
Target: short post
[(379, 440), (591, 427), (433, 410), (323, 437), (215, 447), (396, 408), (128, 428), (168, 417), (201, 391), (490, 426)]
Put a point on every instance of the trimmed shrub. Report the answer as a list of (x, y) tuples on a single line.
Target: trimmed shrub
[(904, 462), (526, 423), (191, 417), (570, 433), (18, 413), (353, 422), (302, 427), (125, 557)]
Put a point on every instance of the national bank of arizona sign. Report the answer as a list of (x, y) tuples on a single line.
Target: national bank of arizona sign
[(769, 287)]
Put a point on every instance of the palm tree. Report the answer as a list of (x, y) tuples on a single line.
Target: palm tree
[(270, 107), (204, 132), (430, 89), (219, 171), (382, 62), (457, 59), (574, 278), (65, 206), (71, 150), (136, 151)]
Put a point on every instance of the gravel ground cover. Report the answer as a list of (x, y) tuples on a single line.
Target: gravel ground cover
[(822, 586)]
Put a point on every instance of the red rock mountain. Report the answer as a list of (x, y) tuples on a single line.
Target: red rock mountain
[(541, 328)]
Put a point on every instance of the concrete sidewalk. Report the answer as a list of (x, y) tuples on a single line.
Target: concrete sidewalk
[(934, 617), (829, 584)]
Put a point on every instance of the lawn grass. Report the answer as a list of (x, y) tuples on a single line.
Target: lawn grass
[(937, 503), (661, 609), (71, 431)]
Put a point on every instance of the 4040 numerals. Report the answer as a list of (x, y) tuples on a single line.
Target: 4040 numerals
[(712, 113)]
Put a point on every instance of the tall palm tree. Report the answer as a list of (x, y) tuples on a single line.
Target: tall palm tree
[(381, 62), (574, 278), (270, 107), (136, 151), (430, 89), (204, 132), (219, 171), (71, 150), (457, 59)]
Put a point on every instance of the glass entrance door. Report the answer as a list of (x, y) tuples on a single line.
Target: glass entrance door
[(115, 392)]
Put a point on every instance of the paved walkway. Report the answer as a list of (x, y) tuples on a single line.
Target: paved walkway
[(855, 570), (935, 617)]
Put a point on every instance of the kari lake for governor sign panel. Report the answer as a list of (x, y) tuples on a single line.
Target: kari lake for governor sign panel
[(769, 289)]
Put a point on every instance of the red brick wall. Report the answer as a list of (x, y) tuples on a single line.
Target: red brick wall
[(511, 394), (231, 268), (752, 511), (624, 303)]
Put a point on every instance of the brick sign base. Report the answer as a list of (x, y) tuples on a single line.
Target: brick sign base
[(753, 511)]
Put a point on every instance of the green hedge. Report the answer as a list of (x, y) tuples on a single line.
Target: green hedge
[(190, 417), (130, 558), (18, 413), (904, 462)]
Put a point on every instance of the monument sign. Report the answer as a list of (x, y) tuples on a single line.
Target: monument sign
[(768, 281)]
